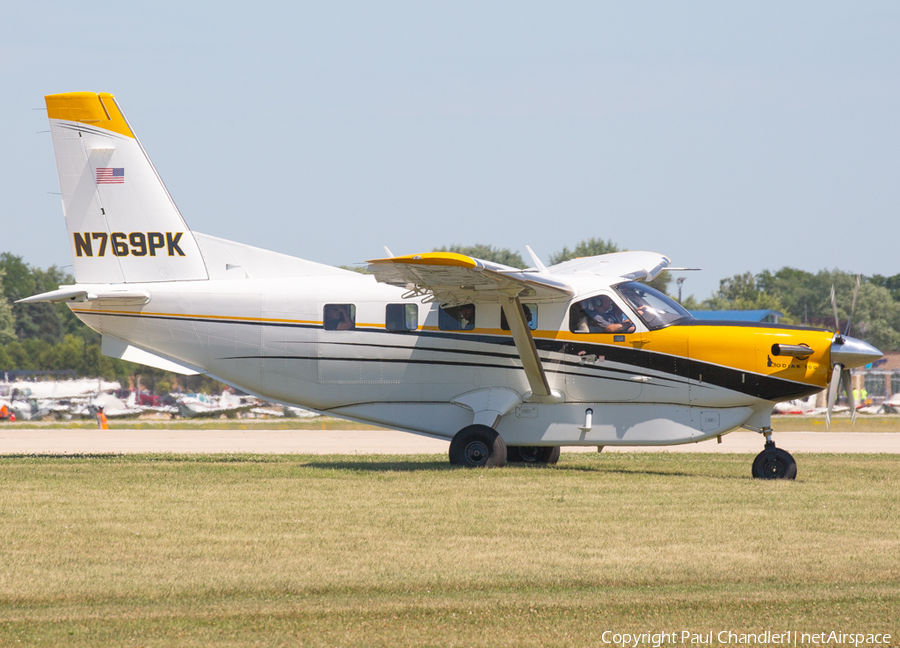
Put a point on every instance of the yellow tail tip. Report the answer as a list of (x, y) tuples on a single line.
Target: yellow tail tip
[(93, 109)]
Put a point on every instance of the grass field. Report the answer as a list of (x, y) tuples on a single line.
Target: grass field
[(864, 423), (396, 551)]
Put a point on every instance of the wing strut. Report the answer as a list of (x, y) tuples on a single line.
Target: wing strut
[(531, 361)]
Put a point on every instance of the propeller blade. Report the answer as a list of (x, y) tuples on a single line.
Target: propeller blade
[(833, 392), (837, 324), (852, 306), (847, 384)]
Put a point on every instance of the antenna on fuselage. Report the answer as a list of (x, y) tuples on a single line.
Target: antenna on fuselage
[(541, 268)]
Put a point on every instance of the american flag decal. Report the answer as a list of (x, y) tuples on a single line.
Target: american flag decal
[(111, 175)]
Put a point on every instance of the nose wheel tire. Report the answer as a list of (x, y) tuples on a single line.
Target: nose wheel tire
[(774, 463), (478, 446), (532, 454)]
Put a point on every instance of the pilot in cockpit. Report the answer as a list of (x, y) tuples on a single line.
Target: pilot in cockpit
[(603, 316)]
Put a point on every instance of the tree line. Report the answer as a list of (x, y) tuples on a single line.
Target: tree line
[(41, 337), (805, 298), (48, 337)]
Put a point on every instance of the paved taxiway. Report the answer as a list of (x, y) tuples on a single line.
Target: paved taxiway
[(15, 441)]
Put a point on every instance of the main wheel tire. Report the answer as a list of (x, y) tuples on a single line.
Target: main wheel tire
[(533, 454), (774, 463), (478, 446)]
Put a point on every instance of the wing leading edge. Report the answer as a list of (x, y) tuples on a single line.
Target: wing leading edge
[(452, 278)]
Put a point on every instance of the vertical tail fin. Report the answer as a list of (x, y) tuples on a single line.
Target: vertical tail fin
[(123, 225)]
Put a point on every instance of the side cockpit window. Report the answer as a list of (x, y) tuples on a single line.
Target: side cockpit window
[(456, 318), (598, 314), (656, 309), (401, 317), (339, 317)]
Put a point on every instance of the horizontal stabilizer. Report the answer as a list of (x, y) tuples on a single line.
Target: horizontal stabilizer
[(78, 294), (113, 347)]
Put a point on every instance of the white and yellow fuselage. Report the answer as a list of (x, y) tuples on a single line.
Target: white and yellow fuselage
[(679, 384), (165, 296)]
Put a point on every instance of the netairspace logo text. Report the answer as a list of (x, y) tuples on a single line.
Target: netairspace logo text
[(731, 638)]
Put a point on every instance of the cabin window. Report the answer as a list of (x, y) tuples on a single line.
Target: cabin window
[(656, 309), (457, 318), (530, 316), (339, 317), (401, 317), (598, 314)]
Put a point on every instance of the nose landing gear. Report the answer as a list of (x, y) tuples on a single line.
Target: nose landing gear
[(772, 462)]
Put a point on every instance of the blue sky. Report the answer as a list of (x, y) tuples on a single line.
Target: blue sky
[(731, 136)]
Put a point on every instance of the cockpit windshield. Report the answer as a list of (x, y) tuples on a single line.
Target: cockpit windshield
[(653, 307)]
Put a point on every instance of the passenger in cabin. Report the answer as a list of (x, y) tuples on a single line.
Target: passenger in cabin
[(530, 317), (467, 317), (578, 321), (457, 318), (601, 315), (395, 319), (337, 317)]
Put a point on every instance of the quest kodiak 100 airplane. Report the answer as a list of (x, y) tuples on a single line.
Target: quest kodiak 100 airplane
[(507, 363)]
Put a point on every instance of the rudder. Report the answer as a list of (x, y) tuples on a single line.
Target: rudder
[(123, 226)]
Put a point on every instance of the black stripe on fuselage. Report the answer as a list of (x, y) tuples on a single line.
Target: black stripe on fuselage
[(744, 382), (592, 371)]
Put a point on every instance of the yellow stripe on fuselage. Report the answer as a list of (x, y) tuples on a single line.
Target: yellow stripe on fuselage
[(222, 318)]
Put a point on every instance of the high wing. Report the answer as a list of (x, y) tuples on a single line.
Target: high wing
[(636, 266), (451, 278)]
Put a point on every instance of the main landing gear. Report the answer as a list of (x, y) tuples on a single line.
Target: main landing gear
[(480, 446), (772, 462), (535, 455)]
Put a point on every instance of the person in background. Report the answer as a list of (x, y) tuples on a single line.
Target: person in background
[(101, 419)]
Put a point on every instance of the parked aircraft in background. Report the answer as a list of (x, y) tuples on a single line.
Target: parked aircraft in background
[(26, 400), (508, 363)]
